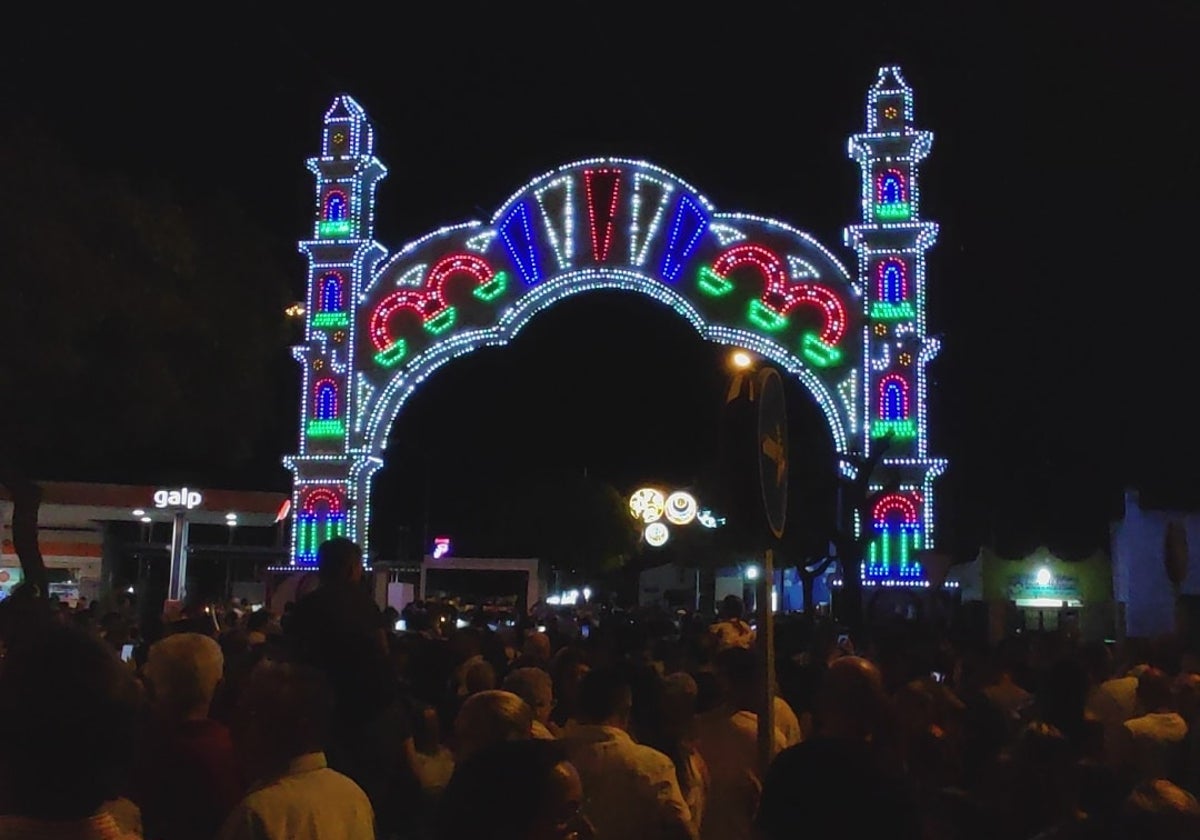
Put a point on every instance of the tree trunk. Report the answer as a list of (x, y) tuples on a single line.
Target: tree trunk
[(26, 500), (852, 592), (808, 577)]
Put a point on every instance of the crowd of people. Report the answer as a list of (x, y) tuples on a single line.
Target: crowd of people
[(325, 723)]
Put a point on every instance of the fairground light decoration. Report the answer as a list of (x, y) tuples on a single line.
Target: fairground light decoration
[(378, 323), (655, 508)]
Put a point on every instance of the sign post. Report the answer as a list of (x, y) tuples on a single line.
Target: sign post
[(766, 642), (177, 580), (773, 477), (179, 502), (773, 449)]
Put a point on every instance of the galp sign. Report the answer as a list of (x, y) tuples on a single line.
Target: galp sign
[(182, 497)]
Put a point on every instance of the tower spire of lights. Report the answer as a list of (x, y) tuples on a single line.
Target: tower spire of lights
[(891, 241)]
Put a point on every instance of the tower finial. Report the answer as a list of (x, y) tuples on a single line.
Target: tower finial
[(348, 132), (889, 101)]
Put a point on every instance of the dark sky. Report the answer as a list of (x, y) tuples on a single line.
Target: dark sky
[(1064, 175)]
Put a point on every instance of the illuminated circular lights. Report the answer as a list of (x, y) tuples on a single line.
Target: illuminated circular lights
[(339, 138), (740, 359), (681, 508), (648, 504), (881, 329), (890, 112), (139, 512), (752, 572), (1043, 577), (318, 364), (656, 534), (146, 519), (905, 359)]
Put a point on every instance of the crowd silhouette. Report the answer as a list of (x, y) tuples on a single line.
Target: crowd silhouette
[(325, 722)]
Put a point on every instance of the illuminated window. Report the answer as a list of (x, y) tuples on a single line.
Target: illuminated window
[(331, 292), (893, 397), (891, 187), (893, 281), (335, 206), (321, 518), (898, 535), (325, 400)]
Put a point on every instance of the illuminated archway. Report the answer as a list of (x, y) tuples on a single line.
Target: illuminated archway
[(379, 324)]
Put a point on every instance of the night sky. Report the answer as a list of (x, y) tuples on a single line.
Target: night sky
[(1064, 173)]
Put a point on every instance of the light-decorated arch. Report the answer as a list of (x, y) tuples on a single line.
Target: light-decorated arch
[(379, 325)]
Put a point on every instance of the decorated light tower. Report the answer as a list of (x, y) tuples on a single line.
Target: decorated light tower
[(891, 243), (331, 471)]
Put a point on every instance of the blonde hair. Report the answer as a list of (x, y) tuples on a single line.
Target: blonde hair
[(183, 671)]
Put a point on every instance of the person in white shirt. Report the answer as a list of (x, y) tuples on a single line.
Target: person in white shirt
[(787, 722), (731, 630), (631, 790), (281, 724), (1154, 743), (728, 742)]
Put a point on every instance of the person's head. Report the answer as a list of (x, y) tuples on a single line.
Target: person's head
[(183, 671), (490, 717), (739, 678), (1154, 691), (259, 621), (514, 790), (1187, 692), (679, 697), (427, 730), (533, 685), (605, 698), (339, 560), (284, 712), (68, 716), (1098, 661), (1159, 810), (1043, 786), (537, 647), (732, 607), (850, 701), (479, 676)]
